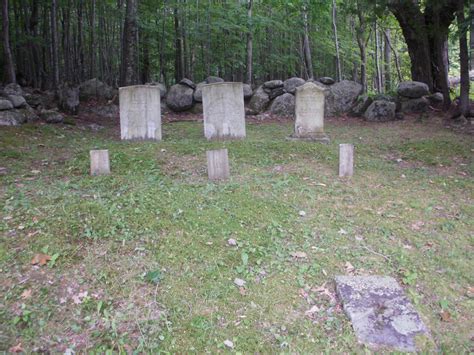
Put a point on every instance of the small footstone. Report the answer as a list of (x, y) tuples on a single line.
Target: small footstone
[(100, 164), (381, 314), (218, 164)]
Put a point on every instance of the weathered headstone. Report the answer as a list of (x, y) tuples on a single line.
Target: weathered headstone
[(309, 111), (100, 164), (381, 314), (218, 164), (140, 112), (346, 160), (224, 112)]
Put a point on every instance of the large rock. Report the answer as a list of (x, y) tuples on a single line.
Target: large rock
[(198, 92), (95, 88), (17, 100), (273, 84), (276, 92), (361, 105), (326, 80), (248, 92), (283, 105), (259, 101), (69, 99), (11, 118), (180, 98), (291, 84), (436, 98), (415, 105), (187, 82), (380, 111), (412, 89), (213, 80), (29, 114), (51, 116), (13, 89), (342, 96), (5, 104), (161, 86)]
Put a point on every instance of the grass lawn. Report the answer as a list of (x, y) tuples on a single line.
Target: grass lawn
[(140, 259)]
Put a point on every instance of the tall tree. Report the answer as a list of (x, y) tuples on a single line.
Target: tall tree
[(54, 44), (306, 43), (463, 59), (9, 67), (249, 63), (387, 58), (426, 35), (336, 41), (129, 65)]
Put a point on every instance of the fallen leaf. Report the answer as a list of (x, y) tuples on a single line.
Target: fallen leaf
[(302, 213), (342, 231), (312, 310), (232, 242), (445, 316), (79, 298), (26, 294), (349, 267), (16, 349), (239, 282), (40, 259), (299, 254), (229, 344), (416, 226), (242, 291)]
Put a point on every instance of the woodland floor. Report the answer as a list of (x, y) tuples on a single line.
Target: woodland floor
[(140, 259)]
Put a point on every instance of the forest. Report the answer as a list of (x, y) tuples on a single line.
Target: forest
[(123, 42)]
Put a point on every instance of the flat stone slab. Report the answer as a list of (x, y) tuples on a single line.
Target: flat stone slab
[(381, 314)]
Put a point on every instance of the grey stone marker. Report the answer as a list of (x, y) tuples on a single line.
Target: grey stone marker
[(381, 314), (100, 164), (346, 160), (224, 112), (218, 164), (140, 112), (309, 114)]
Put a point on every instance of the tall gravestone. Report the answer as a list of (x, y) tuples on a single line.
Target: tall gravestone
[(224, 113), (140, 112), (218, 164), (309, 114)]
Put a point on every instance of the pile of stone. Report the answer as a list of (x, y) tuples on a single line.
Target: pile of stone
[(14, 109), (412, 97), (187, 96), (278, 96)]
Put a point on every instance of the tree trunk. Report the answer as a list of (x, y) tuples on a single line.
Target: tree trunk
[(471, 35), (378, 76), (388, 42), (464, 61), (336, 42), (387, 61), (80, 40), (249, 64), (306, 43), (9, 67), (92, 41), (412, 23), (129, 48), (54, 44)]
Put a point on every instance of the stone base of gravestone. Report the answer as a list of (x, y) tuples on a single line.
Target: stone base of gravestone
[(218, 164), (224, 112), (320, 137), (140, 112), (381, 314), (100, 164)]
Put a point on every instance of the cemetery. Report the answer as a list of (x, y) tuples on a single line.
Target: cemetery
[(273, 213)]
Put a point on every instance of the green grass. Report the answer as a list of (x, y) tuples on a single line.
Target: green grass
[(157, 215)]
